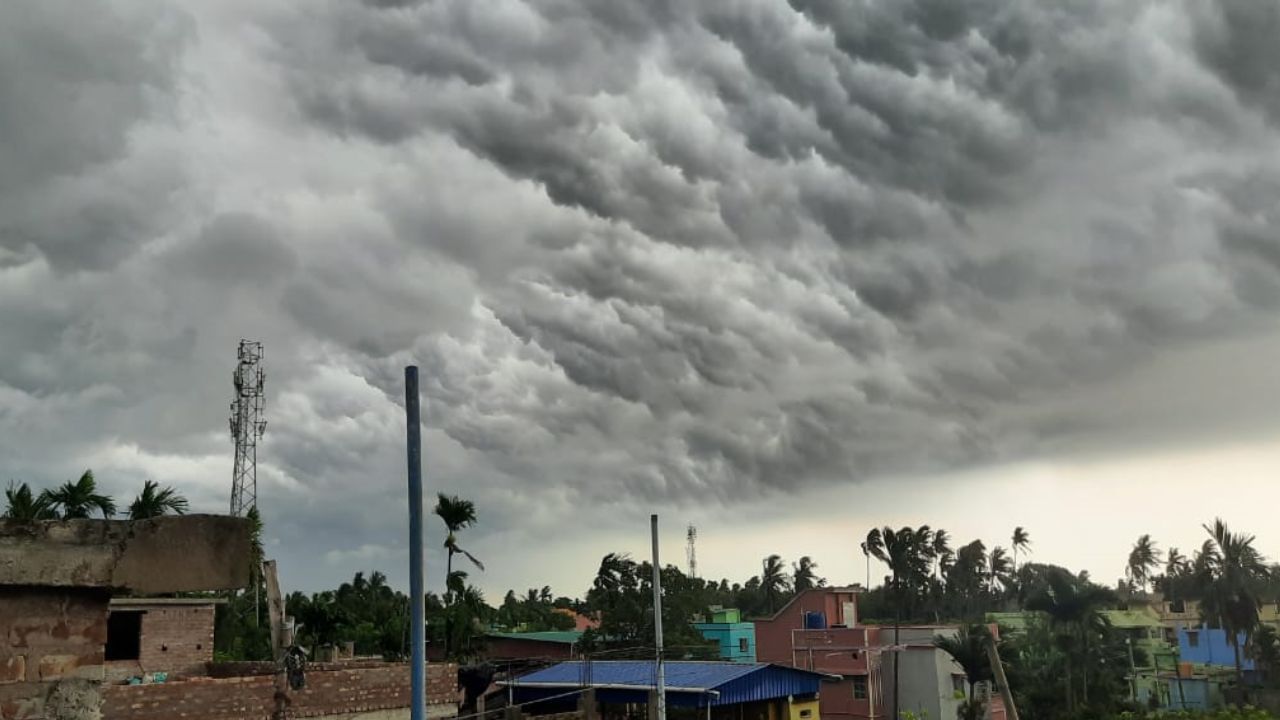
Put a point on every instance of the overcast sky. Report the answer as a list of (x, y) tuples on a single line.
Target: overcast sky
[(782, 270)]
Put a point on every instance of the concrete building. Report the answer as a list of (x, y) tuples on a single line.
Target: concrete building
[(736, 639), (819, 631), (1203, 645)]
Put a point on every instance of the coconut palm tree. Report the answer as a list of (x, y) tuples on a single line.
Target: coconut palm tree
[(155, 501), (1233, 572), (22, 504), (969, 649), (1021, 541), (907, 552), (773, 581), (942, 551), (1143, 558), (79, 499), (1072, 606), (803, 576), (998, 568)]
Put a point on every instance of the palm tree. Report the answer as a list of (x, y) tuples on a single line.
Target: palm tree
[(22, 504), (969, 649), (942, 550), (155, 501), (1072, 606), (998, 567), (1021, 540), (773, 581), (457, 514), (902, 551), (79, 499), (1232, 572), (1143, 558), (803, 576)]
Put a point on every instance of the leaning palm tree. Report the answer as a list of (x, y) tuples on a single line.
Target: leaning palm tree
[(22, 504), (1143, 558), (79, 499), (155, 501), (969, 649), (1232, 573), (773, 581), (1021, 540)]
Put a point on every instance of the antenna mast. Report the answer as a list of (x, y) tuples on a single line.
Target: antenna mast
[(692, 551), (247, 426)]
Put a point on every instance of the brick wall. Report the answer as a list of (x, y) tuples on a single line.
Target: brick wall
[(47, 636), (329, 691), (175, 639)]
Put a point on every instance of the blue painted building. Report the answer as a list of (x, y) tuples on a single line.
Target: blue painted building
[(737, 639), (1208, 646)]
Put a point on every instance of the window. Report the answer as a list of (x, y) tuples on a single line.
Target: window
[(1193, 638), (806, 713), (743, 645), (958, 683), (124, 635), (859, 687)]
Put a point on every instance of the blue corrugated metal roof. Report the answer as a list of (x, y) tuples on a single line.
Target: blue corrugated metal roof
[(731, 682)]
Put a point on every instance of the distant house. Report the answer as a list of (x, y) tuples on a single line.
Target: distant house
[(736, 639), (818, 630), (553, 645), (1203, 645)]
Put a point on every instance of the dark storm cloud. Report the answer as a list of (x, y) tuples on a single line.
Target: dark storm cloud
[(643, 252)]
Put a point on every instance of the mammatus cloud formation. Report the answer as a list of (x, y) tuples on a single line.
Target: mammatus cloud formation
[(660, 252)]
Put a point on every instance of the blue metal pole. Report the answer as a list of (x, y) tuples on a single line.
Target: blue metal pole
[(418, 627)]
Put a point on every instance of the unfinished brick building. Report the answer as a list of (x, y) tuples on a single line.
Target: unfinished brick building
[(56, 583), (67, 646)]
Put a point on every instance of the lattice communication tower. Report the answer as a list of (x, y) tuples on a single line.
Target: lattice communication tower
[(692, 551), (247, 426)]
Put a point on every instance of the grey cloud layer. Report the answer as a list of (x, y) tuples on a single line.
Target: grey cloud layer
[(643, 251)]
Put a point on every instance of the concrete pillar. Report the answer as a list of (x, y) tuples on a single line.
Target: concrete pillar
[(587, 706), (513, 713)]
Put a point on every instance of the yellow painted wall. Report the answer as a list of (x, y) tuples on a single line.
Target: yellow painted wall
[(796, 708)]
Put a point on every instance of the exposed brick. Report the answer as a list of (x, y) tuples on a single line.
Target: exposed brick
[(13, 669), (331, 690)]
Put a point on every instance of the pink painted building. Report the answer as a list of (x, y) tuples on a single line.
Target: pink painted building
[(819, 630)]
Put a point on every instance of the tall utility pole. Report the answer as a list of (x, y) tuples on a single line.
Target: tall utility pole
[(418, 618), (692, 550), (247, 426), (660, 674)]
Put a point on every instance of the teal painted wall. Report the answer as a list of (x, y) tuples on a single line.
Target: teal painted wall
[(730, 636)]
